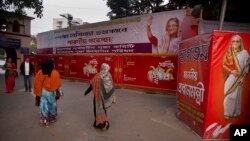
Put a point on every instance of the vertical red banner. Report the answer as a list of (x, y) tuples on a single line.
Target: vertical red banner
[(118, 71), (213, 83), (59, 64), (229, 91), (193, 81)]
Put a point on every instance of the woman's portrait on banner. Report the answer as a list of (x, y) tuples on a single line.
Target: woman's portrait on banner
[(235, 69)]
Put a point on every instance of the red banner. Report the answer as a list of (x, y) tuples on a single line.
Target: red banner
[(86, 66), (150, 71), (228, 100), (213, 74), (193, 80), (60, 63), (156, 72)]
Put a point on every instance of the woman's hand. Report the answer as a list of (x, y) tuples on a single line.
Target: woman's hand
[(85, 93), (235, 73), (88, 90)]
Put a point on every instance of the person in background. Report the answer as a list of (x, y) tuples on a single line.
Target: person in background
[(235, 67), (169, 42), (27, 69), (46, 82), (103, 89), (10, 75)]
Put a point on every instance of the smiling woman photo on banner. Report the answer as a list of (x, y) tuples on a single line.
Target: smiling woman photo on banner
[(235, 67), (168, 43)]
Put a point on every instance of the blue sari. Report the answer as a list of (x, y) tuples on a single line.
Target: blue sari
[(48, 105)]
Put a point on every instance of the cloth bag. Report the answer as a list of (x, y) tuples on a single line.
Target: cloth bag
[(58, 94), (37, 101)]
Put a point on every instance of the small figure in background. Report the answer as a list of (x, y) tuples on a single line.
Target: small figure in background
[(27, 69), (10, 75)]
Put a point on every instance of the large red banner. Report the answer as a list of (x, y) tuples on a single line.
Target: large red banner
[(212, 91), (155, 72)]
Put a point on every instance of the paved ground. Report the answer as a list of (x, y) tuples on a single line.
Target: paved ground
[(137, 116)]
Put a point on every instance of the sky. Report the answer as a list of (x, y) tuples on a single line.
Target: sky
[(90, 11)]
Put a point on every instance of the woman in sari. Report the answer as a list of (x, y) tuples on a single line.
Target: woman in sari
[(46, 82), (236, 65), (10, 75), (103, 89)]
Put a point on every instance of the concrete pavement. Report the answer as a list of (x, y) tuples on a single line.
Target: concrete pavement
[(137, 116)]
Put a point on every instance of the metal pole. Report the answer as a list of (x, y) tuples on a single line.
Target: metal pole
[(222, 13)]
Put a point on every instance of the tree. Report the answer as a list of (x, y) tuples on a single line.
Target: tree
[(235, 10), (211, 8), (18, 6), (124, 8), (2, 54), (33, 44)]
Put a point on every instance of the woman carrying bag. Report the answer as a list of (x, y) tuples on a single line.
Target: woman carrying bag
[(46, 83)]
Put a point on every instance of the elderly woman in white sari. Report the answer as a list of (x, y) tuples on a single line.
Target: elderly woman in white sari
[(236, 67), (103, 89)]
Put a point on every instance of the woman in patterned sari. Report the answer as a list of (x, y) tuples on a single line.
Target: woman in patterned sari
[(46, 82), (236, 66), (10, 75), (103, 89)]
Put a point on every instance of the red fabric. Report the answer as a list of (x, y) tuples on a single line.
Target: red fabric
[(10, 83), (194, 30), (95, 82), (228, 64), (49, 83), (153, 40)]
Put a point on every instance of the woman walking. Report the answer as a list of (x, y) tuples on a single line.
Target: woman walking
[(46, 82), (10, 75), (103, 89)]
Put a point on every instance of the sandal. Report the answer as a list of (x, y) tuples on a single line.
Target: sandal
[(44, 122), (106, 127), (52, 119)]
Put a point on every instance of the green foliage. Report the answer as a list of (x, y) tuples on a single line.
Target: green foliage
[(2, 54), (18, 6), (235, 10), (33, 44), (124, 8)]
